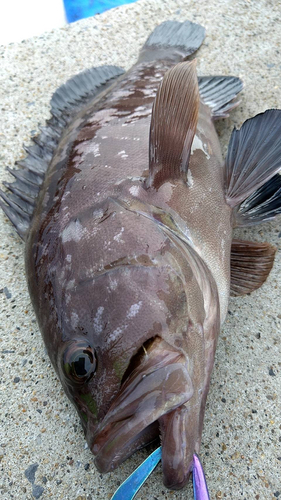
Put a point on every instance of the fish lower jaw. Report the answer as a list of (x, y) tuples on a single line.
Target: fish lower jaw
[(150, 402), (177, 453), (178, 437), (109, 456)]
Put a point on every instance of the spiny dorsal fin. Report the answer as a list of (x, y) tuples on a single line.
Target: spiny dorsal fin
[(173, 124), (81, 88), (66, 102), (251, 263)]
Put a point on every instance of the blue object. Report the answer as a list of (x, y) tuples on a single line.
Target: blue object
[(78, 9), (131, 486)]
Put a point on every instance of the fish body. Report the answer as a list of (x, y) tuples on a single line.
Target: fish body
[(128, 249)]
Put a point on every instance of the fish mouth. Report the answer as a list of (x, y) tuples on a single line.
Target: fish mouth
[(156, 387)]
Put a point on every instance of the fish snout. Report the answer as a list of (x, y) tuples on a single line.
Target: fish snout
[(158, 385)]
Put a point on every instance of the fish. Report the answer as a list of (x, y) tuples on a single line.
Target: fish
[(127, 210)]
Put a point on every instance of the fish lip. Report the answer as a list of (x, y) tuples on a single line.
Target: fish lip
[(178, 446), (105, 464), (159, 385)]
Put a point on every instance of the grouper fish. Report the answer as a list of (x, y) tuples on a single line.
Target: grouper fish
[(127, 209)]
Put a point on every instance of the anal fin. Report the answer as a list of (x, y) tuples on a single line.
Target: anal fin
[(251, 263)]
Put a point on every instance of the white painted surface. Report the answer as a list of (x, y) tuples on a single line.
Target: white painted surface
[(23, 19)]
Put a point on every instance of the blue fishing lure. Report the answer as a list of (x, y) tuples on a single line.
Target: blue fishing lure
[(134, 482)]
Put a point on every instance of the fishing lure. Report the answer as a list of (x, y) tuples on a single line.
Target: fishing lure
[(129, 488)]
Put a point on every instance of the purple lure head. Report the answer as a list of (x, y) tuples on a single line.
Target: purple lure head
[(200, 488)]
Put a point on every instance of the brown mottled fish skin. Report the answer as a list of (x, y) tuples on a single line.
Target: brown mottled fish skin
[(129, 269)]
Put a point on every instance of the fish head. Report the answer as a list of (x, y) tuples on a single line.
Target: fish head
[(133, 358), (124, 328)]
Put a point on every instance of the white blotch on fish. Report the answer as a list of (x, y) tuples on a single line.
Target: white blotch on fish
[(134, 190), (140, 112), (198, 144), (113, 284), (97, 214), (189, 178), (117, 237), (117, 333), (74, 319), (97, 320), (134, 309), (122, 154), (74, 231), (95, 149), (120, 93), (70, 284)]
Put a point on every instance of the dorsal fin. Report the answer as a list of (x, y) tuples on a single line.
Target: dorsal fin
[(66, 102), (219, 93), (173, 124)]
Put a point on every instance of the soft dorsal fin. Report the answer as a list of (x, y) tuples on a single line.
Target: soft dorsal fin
[(173, 124), (219, 93)]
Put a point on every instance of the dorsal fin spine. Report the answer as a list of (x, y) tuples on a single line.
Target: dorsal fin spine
[(66, 101)]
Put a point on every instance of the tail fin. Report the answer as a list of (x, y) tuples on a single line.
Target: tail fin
[(173, 40), (252, 169)]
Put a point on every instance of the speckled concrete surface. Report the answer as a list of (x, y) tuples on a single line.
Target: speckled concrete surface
[(42, 448)]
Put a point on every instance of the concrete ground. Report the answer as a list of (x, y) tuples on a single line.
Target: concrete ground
[(42, 448)]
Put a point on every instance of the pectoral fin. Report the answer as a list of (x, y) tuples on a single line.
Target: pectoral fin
[(173, 124), (251, 263), (261, 206), (252, 166)]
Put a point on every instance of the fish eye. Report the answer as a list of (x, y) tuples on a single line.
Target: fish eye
[(79, 361)]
